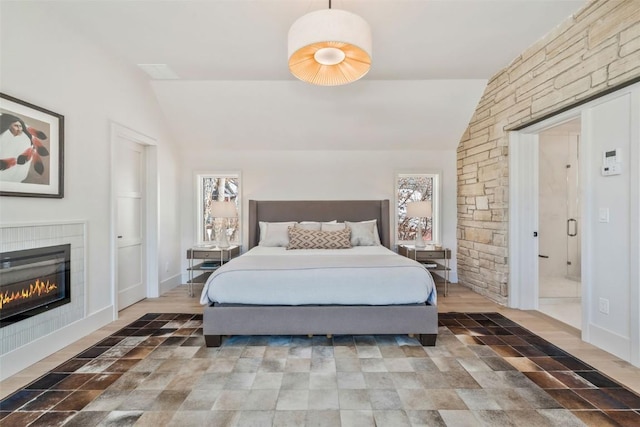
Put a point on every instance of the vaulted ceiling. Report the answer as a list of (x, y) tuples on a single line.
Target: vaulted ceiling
[(431, 61)]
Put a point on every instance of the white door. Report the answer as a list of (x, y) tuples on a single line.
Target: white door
[(130, 222)]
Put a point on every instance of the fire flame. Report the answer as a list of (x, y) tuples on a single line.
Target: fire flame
[(35, 289)]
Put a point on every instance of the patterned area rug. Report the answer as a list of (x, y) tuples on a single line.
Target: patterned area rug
[(484, 370)]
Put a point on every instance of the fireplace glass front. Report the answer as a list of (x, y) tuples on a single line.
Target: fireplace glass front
[(33, 281)]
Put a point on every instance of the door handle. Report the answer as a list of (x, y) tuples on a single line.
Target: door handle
[(119, 237), (575, 227), (543, 256)]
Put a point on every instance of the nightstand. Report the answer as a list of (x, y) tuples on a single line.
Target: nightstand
[(435, 259), (205, 260)]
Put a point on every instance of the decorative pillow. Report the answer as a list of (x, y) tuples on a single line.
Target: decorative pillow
[(333, 226), (361, 233), (364, 233), (309, 225), (274, 233), (376, 234), (300, 238)]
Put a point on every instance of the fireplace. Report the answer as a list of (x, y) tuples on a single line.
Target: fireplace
[(33, 281)]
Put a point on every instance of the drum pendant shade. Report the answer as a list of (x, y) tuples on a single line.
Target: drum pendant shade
[(329, 47)]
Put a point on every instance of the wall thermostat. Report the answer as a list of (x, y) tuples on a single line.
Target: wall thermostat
[(611, 162)]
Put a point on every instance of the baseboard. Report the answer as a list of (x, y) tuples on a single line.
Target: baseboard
[(170, 283), (25, 356), (610, 341), (559, 300)]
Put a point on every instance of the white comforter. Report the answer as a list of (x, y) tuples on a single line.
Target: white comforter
[(362, 275)]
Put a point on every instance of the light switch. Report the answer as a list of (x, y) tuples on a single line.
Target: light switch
[(603, 215)]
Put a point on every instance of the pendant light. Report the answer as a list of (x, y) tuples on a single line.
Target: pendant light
[(329, 47)]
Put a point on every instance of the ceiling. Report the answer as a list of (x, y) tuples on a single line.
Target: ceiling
[(430, 63)]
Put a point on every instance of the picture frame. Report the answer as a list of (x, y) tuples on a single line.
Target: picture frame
[(31, 150)]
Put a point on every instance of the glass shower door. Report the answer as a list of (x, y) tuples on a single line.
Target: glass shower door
[(573, 209), (559, 215)]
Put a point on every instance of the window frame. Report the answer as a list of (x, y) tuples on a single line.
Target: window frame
[(436, 175), (199, 226)]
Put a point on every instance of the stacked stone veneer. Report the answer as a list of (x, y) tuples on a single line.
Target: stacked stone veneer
[(597, 48)]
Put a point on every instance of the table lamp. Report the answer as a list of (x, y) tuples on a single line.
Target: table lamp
[(419, 210), (224, 210)]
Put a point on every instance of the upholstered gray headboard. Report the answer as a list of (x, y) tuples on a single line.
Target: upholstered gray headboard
[(318, 210)]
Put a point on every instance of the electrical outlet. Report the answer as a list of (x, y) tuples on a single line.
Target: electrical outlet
[(603, 306)]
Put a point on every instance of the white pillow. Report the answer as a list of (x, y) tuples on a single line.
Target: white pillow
[(333, 226), (274, 233), (376, 233), (309, 225), (362, 233)]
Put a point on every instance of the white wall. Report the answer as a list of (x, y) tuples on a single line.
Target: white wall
[(318, 175), (44, 63), (611, 272)]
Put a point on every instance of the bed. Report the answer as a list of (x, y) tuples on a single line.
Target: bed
[(300, 301)]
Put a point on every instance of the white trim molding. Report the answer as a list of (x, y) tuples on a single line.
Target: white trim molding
[(151, 211)]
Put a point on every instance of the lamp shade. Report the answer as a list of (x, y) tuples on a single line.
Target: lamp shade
[(329, 47), (223, 210), (419, 209)]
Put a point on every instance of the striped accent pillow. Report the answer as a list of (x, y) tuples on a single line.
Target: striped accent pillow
[(300, 238)]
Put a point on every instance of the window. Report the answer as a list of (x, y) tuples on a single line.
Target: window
[(416, 187), (218, 187)]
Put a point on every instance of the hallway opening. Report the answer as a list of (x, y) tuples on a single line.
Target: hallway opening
[(559, 223)]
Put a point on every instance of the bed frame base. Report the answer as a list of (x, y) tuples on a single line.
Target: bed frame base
[(427, 340), (213, 340), (418, 319)]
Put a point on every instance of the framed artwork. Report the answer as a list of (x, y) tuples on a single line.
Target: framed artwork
[(31, 150)]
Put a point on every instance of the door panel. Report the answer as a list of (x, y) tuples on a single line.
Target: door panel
[(130, 219), (130, 224), (129, 275), (130, 165)]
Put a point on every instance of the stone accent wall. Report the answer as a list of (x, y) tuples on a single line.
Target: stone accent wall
[(597, 48)]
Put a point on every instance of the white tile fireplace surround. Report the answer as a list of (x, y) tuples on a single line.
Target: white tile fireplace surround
[(29, 236)]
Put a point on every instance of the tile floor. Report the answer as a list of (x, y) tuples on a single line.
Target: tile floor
[(566, 310), (559, 287), (560, 299)]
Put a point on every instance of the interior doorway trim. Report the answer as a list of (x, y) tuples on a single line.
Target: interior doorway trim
[(523, 220), (523, 210), (523, 201), (151, 210)]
